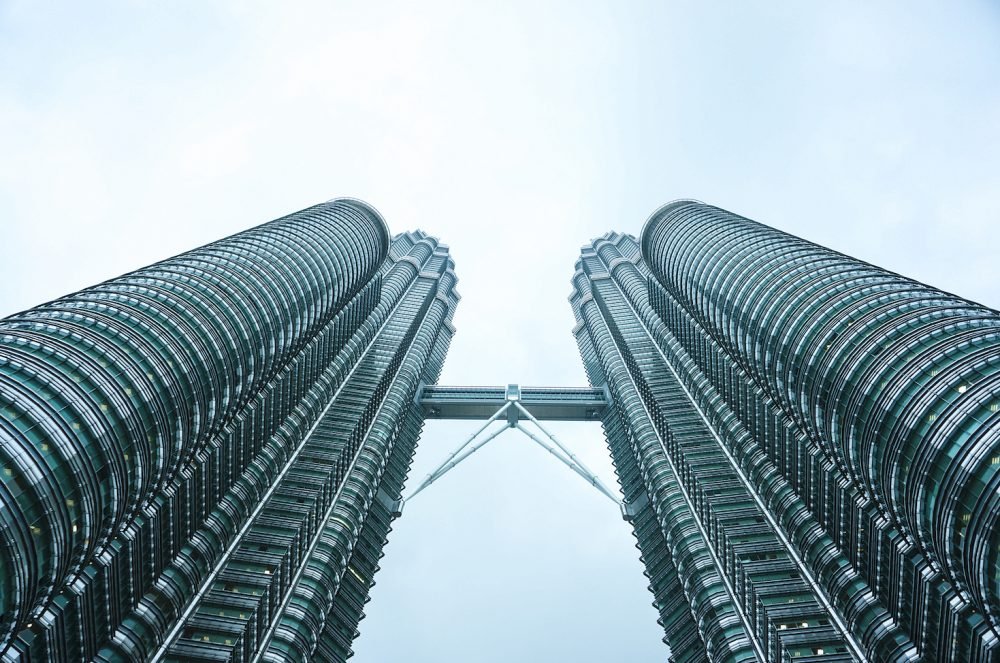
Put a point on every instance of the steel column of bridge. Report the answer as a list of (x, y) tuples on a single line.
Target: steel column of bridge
[(509, 405)]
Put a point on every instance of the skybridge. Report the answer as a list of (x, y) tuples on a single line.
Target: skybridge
[(513, 407), (544, 403)]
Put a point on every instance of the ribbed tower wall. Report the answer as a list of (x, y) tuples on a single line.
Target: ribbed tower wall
[(729, 583), (148, 424), (889, 390)]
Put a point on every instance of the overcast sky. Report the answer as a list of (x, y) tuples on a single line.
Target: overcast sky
[(516, 132)]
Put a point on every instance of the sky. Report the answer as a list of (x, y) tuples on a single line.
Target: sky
[(516, 132)]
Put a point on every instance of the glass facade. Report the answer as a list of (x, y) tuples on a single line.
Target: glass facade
[(199, 459), (808, 444)]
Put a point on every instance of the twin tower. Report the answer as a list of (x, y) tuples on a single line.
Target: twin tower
[(200, 460)]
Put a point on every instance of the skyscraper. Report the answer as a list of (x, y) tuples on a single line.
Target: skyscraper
[(807, 444), (200, 459)]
